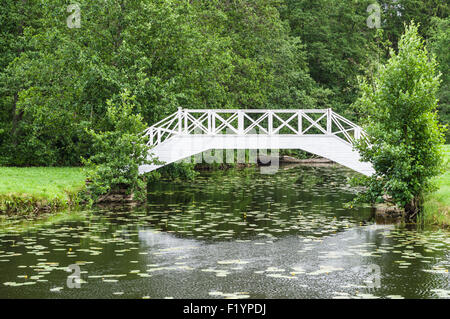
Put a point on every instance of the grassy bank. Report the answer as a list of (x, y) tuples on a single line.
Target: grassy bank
[(437, 204), (36, 189)]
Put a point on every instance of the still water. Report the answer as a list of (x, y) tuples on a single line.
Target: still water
[(229, 234)]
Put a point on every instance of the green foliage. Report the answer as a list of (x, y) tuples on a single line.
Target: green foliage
[(267, 67), (339, 45), (182, 171), (405, 137), (437, 204), (297, 153), (28, 204), (397, 13), (119, 150), (440, 44)]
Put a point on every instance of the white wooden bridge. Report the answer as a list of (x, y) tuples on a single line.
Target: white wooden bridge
[(318, 131)]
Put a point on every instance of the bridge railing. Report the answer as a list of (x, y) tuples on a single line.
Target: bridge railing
[(310, 122)]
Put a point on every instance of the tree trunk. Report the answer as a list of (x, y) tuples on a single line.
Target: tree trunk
[(412, 209), (16, 118)]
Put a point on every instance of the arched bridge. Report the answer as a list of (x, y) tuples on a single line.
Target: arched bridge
[(318, 131)]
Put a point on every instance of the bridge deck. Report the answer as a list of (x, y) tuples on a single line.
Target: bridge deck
[(321, 132), (330, 147)]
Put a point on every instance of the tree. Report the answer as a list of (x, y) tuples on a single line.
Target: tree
[(396, 13), (269, 64), (440, 43), (119, 151), (338, 42), (405, 137), (15, 17)]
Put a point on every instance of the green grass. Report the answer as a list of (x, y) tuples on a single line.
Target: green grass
[(437, 204), (25, 188), (44, 182)]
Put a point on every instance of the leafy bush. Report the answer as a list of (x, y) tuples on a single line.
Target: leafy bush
[(118, 152), (174, 171), (405, 136)]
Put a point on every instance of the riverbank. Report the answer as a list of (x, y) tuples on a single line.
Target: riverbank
[(437, 204), (33, 190)]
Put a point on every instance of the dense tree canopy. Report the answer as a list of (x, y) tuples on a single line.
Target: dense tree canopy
[(338, 44), (398, 12), (56, 76), (440, 44)]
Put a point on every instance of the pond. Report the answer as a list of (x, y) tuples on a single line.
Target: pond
[(229, 234)]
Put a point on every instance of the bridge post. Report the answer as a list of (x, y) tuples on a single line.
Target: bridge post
[(240, 122), (299, 127), (213, 122), (209, 122), (180, 123), (270, 123), (357, 133), (185, 115), (329, 121)]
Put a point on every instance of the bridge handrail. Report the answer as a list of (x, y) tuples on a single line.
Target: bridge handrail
[(184, 121)]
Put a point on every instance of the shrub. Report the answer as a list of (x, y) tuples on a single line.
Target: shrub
[(405, 136), (119, 151)]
